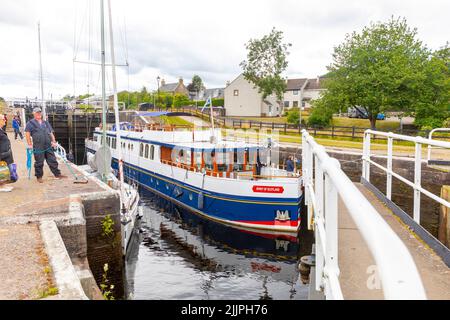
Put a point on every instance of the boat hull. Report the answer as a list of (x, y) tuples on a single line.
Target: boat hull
[(276, 214)]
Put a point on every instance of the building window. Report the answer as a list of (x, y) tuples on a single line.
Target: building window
[(295, 104), (286, 104), (141, 150), (146, 151), (236, 93), (295, 92)]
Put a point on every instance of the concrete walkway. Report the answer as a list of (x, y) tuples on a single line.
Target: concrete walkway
[(34, 262), (357, 265)]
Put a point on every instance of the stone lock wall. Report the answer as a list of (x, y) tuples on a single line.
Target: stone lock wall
[(103, 249)]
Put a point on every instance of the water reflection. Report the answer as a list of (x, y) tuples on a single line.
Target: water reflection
[(179, 255)]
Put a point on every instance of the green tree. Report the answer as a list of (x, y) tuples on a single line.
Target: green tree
[(266, 61), (196, 84), (180, 100), (434, 107), (380, 69)]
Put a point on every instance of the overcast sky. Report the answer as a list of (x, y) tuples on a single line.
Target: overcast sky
[(173, 38)]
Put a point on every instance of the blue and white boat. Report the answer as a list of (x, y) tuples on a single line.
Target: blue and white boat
[(223, 181)]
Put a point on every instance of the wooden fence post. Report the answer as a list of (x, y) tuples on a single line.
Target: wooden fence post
[(285, 128), (332, 131), (353, 132), (444, 218)]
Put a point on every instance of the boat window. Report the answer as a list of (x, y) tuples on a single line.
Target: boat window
[(152, 152), (141, 150), (146, 151), (198, 159), (188, 157)]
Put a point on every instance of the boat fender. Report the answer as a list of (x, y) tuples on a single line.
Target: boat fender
[(200, 200)]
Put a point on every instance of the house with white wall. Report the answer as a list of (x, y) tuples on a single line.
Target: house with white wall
[(302, 92), (242, 99)]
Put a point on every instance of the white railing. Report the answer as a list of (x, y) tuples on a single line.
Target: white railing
[(430, 136), (60, 151), (324, 182), (416, 184)]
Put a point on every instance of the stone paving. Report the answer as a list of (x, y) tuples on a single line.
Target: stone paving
[(24, 265)]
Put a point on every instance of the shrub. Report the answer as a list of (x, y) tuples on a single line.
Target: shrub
[(293, 117), (320, 116)]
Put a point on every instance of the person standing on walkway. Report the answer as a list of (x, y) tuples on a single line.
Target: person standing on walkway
[(43, 142), (5, 150), (16, 127), (290, 165)]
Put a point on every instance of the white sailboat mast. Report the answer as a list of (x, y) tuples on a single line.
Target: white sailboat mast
[(41, 78), (104, 106), (116, 101)]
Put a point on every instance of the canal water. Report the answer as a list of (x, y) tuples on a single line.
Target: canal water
[(177, 255)]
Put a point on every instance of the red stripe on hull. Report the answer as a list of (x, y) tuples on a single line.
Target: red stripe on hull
[(272, 223)]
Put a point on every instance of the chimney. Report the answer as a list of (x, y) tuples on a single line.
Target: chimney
[(163, 83), (228, 83), (180, 80), (318, 79)]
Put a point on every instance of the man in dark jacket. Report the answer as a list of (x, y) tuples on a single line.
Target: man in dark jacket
[(5, 150), (44, 140)]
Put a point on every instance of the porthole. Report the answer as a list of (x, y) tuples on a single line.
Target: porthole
[(167, 186), (191, 196)]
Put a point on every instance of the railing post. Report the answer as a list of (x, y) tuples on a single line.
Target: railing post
[(389, 168), (417, 184), (319, 219), (366, 157), (331, 225)]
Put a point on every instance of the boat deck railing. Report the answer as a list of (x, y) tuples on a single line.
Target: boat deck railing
[(239, 175)]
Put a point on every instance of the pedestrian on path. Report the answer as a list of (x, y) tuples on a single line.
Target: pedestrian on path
[(42, 144), (290, 165), (16, 127), (5, 151)]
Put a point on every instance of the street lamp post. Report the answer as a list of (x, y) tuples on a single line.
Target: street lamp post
[(157, 79)]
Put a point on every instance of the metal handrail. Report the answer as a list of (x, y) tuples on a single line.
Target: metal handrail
[(416, 185), (60, 151), (324, 180), (430, 136)]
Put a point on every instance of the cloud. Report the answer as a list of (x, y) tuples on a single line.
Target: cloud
[(182, 38)]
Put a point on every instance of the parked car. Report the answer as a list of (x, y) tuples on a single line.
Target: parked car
[(361, 113)]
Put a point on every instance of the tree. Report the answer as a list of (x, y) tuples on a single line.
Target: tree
[(433, 110), (380, 69), (266, 61), (180, 100), (196, 84)]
